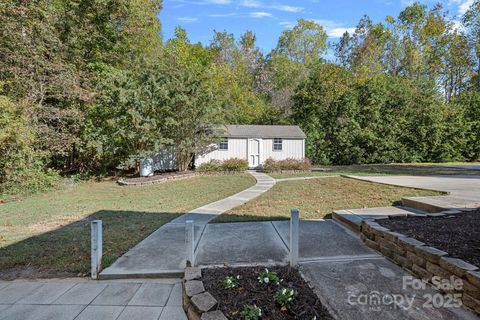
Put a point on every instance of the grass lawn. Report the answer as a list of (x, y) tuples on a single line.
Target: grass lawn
[(49, 234), (423, 169), (317, 198)]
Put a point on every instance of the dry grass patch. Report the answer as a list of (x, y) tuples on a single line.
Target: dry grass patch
[(317, 198)]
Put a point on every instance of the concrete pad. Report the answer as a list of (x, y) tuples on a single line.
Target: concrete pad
[(321, 239), (15, 292), (46, 294), (344, 284), (100, 313), (82, 293), (41, 312), (4, 285), (173, 313), (375, 213), (152, 294), (4, 306), (140, 313), (117, 294), (240, 243), (175, 298), (162, 251)]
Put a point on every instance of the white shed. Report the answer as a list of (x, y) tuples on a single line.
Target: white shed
[(256, 143)]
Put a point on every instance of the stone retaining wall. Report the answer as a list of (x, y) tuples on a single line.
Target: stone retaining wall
[(198, 303), (423, 261)]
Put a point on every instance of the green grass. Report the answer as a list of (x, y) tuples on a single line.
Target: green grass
[(48, 234), (422, 169), (317, 198)]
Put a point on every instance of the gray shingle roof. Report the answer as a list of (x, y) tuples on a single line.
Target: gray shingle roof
[(263, 131)]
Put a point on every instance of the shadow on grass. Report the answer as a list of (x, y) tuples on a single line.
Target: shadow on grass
[(65, 251)]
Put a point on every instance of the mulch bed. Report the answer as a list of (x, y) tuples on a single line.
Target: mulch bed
[(231, 301), (456, 234)]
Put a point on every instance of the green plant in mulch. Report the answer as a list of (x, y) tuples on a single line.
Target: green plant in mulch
[(230, 282), (251, 312), (269, 278), (284, 298)]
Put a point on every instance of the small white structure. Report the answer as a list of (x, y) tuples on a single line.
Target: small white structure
[(256, 143)]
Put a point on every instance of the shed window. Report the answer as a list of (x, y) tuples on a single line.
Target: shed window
[(277, 144), (223, 145)]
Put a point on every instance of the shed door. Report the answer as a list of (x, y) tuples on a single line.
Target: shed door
[(253, 153)]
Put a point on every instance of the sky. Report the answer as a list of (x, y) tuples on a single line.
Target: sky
[(268, 18)]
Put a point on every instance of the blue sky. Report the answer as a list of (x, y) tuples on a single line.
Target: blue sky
[(268, 18)]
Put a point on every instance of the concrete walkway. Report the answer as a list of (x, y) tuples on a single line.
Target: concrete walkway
[(81, 299), (162, 254)]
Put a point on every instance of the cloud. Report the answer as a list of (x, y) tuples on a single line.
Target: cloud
[(338, 32), (222, 15), (218, 1), (287, 8), (187, 19), (259, 14), (464, 6), (279, 7), (332, 28)]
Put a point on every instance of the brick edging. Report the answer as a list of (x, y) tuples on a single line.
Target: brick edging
[(198, 303), (423, 261), (125, 182)]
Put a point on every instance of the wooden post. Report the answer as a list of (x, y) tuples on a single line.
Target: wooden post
[(96, 247), (294, 235), (190, 242)]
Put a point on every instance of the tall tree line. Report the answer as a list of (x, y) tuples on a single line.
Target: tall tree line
[(89, 86)]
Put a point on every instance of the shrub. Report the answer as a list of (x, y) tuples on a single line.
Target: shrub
[(284, 298), (235, 164), (212, 166), (269, 278), (251, 312), (272, 165), (230, 165), (21, 167), (230, 282)]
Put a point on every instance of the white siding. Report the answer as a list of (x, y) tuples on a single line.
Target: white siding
[(291, 148), (237, 148)]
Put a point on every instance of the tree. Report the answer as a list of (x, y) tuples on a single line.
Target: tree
[(471, 19), (142, 111), (304, 44)]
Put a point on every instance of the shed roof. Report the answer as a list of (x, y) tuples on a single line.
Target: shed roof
[(263, 131)]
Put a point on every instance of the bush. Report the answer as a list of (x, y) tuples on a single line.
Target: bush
[(271, 165), (21, 168), (235, 164), (212, 166), (230, 165)]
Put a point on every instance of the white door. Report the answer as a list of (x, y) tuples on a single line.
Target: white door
[(254, 152)]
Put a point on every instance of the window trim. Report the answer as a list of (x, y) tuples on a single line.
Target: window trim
[(276, 144), (223, 142)]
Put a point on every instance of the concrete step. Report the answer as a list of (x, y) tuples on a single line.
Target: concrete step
[(440, 203), (348, 219), (353, 218)]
